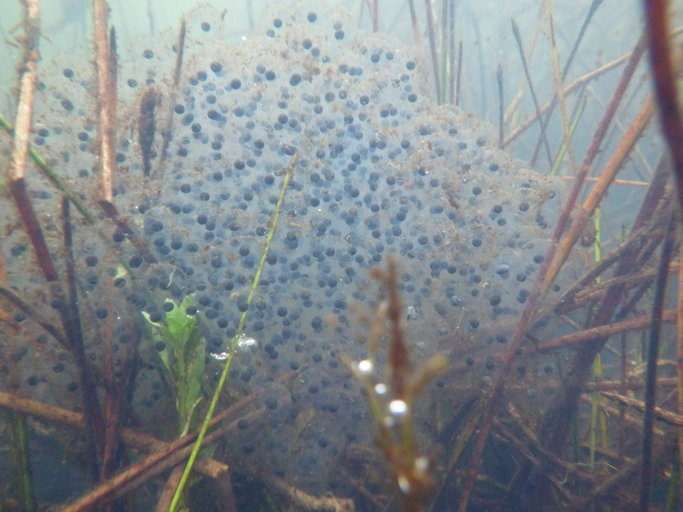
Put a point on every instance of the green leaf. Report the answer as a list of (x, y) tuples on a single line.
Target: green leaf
[(183, 357)]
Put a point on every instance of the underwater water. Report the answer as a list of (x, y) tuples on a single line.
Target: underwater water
[(382, 167)]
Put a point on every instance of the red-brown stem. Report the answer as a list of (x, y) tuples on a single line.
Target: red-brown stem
[(3, 268), (27, 80), (106, 86), (112, 391), (664, 77), (168, 126), (580, 82), (22, 130), (72, 327), (632, 324), (599, 137), (553, 262), (32, 226)]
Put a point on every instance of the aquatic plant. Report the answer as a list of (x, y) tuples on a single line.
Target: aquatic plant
[(392, 395), (181, 348)]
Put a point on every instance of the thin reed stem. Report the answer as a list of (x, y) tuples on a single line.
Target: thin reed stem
[(240, 327), (432, 47), (71, 322), (414, 24), (501, 106), (668, 249), (458, 75), (679, 358), (570, 59), (541, 122), (559, 89), (577, 83), (21, 461)]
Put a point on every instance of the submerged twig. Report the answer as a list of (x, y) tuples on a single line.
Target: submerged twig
[(539, 117), (133, 438), (557, 258), (658, 412), (175, 452), (105, 67), (559, 90), (72, 327), (17, 168), (577, 83), (306, 502), (570, 59), (24, 306), (632, 324), (168, 128)]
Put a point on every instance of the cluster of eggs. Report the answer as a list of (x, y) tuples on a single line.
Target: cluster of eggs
[(378, 169)]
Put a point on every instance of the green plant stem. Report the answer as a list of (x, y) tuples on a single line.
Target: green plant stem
[(51, 175), (21, 461), (235, 340)]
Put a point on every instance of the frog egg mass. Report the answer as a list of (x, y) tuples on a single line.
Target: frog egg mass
[(378, 171)]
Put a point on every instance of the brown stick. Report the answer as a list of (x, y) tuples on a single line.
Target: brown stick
[(628, 384), (22, 130), (305, 501), (167, 493), (576, 84), (27, 79), (589, 16), (113, 391), (661, 414), (632, 324), (618, 480), (150, 467), (105, 66), (138, 440), (530, 84), (168, 125), (588, 160), (71, 322), (593, 200), (33, 229), (557, 258), (24, 306)]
